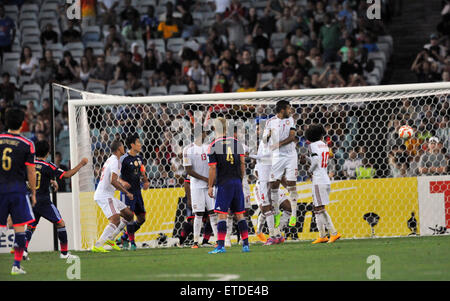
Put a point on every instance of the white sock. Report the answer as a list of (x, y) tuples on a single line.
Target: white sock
[(321, 222), (284, 219), (213, 219), (270, 223), (261, 221), (274, 196), (119, 229), (107, 232), (329, 223), (229, 225), (198, 221), (293, 197)]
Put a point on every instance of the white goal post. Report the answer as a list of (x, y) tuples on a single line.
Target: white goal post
[(363, 119)]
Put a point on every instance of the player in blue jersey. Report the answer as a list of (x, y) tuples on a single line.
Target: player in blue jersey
[(46, 173), (226, 170), (133, 174), (17, 166)]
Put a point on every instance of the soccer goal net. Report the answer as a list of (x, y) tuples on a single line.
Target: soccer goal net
[(382, 185)]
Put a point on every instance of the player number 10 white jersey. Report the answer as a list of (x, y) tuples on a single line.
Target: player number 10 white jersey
[(319, 153)]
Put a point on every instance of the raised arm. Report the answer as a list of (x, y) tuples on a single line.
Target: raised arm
[(73, 171)]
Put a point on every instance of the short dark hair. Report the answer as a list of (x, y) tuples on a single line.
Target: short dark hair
[(131, 139), (281, 105), (14, 118), (115, 145), (42, 148), (315, 132)]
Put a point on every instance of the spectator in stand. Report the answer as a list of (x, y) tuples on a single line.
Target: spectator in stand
[(84, 72), (222, 85), (304, 64), (351, 164), (89, 54), (350, 67), (132, 31), (370, 43), (50, 61), (196, 73), (235, 24), (168, 29), (49, 36), (136, 55), (300, 39), (189, 29), (126, 65), (150, 61), (70, 65), (169, 66), (7, 89), (112, 36), (132, 83), (253, 21), (249, 69), (103, 73), (192, 88), (184, 6), (270, 63), (422, 67), (329, 39), (286, 23), (43, 75), (290, 70), (235, 7), (108, 11), (218, 25), (433, 161), (27, 63), (129, 13), (319, 66), (219, 6), (349, 44), (268, 22), (435, 50), (275, 6), (245, 86), (7, 32), (209, 67), (259, 40), (150, 22), (70, 35)]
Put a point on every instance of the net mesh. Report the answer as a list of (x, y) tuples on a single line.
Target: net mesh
[(375, 190)]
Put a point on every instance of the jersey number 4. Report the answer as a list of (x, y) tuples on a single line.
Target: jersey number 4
[(230, 157), (325, 159)]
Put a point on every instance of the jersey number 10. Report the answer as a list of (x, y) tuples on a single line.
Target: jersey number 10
[(325, 159)]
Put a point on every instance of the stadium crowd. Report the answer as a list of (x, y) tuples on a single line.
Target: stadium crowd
[(159, 47)]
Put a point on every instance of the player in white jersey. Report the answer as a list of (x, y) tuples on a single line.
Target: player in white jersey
[(319, 153), (280, 134), (195, 161), (112, 207)]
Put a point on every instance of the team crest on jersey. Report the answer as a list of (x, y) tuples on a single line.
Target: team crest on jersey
[(136, 163)]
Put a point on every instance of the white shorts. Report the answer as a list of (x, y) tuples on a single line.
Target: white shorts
[(321, 194), (111, 206), (284, 166), (262, 193), (263, 172), (201, 201)]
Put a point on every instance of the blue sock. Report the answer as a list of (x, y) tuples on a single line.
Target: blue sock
[(20, 240)]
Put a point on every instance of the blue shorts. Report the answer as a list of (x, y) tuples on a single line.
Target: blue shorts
[(137, 204), (230, 196), (18, 205), (47, 211)]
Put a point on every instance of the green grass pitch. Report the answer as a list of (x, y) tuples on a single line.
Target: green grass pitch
[(408, 258)]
